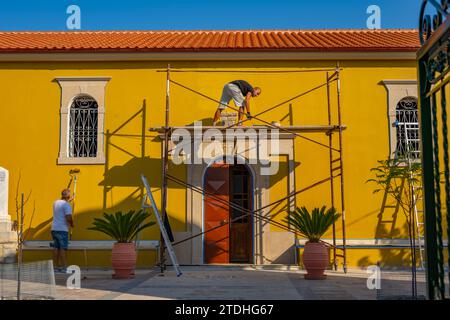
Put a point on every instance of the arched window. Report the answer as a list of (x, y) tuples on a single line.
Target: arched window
[(83, 124), (407, 123)]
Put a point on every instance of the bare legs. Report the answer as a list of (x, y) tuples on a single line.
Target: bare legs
[(59, 258), (217, 116), (55, 258), (240, 116), (62, 257)]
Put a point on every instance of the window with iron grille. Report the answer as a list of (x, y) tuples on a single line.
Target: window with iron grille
[(83, 126), (407, 124)]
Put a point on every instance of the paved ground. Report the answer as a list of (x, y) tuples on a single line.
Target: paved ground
[(231, 283)]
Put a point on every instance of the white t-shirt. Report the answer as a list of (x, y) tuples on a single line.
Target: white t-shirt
[(61, 209)]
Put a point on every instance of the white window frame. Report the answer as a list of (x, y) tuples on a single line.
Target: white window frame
[(71, 88), (397, 90), (413, 127)]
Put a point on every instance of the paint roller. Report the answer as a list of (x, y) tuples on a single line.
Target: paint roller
[(73, 177)]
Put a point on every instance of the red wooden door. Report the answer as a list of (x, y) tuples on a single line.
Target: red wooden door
[(217, 242)]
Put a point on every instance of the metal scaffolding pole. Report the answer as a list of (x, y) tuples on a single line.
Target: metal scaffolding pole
[(335, 77), (330, 142), (341, 161), (165, 170), (246, 212), (266, 123)]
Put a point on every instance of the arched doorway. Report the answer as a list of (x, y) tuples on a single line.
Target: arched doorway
[(229, 242)]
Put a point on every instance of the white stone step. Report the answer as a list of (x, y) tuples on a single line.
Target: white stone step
[(8, 236)]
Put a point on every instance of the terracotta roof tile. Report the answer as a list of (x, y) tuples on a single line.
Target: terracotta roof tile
[(268, 40)]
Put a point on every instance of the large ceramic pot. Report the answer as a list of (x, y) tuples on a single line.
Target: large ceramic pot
[(123, 259), (315, 259)]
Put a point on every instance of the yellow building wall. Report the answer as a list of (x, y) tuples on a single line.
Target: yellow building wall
[(135, 101)]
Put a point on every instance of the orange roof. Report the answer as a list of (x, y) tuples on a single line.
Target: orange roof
[(175, 41)]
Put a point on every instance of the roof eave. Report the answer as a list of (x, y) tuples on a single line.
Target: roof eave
[(235, 54), (205, 49)]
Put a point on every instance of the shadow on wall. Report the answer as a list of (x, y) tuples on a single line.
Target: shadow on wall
[(284, 258), (127, 175), (40, 231), (387, 228), (395, 258), (204, 121), (84, 219), (387, 218)]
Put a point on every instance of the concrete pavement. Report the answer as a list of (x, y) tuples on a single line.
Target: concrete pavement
[(235, 283)]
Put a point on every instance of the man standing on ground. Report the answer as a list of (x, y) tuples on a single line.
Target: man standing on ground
[(62, 219), (241, 92)]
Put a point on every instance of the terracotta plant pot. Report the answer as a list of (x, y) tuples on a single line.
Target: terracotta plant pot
[(123, 259), (315, 260)]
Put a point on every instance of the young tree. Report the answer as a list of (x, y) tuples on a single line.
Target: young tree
[(401, 177)]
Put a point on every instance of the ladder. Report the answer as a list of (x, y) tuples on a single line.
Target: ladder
[(149, 196), (418, 214), (416, 190)]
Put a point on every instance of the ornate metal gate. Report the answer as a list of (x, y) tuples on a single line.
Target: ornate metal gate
[(433, 59)]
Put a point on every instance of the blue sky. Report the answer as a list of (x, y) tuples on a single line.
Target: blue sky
[(206, 14)]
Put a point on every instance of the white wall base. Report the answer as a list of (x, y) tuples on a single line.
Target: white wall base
[(8, 242)]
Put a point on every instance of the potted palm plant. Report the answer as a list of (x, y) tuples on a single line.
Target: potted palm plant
[(313, 226), (123, 228)]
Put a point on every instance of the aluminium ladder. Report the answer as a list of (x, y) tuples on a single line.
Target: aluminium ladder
[(416, 189), (164, 234), (419, 225)]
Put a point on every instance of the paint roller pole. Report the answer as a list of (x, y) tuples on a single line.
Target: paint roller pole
[(73, 201), (73, 173)]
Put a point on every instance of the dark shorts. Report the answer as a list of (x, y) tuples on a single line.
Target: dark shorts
[(60, 239)]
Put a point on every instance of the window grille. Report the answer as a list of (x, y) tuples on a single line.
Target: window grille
[(407, 123), (83, 128)]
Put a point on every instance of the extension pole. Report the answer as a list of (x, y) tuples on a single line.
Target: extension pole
[(330, 143), (341, 154), (165, 169), (73, 201)]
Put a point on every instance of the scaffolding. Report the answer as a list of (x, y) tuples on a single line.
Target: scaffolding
[(335, 157)]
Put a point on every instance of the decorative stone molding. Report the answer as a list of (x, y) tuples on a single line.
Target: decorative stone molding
[(397, 90), (72, 87), (8, 238), (268, 245), (4, 189)]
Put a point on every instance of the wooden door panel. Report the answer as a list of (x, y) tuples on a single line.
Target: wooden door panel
[(241, 242), (216, 252), (216, 235), (241, 231), (217, 242)]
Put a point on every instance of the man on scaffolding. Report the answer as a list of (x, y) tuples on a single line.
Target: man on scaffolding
[(241, 92)]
